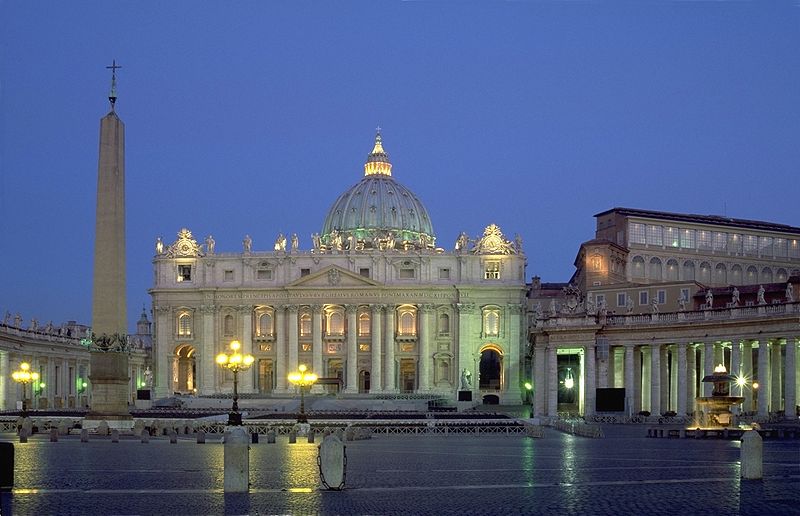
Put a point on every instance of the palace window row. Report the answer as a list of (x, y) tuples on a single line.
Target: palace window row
[(705, 272)]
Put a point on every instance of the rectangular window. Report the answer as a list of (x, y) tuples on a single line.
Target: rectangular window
[(734, 243), (750, 244), (600, 300), (636, 234), (305, 272), (794, 248), (719, 241), (622, 299), (662, 297), (492, 270), (685, 294), (407, 274), (688, 239), (184, 273), (671, 237), (780, 247), (364, 272), (264, 274), (643, 298), (765, 246), (704, 239), (655, 235), (227, 276), (444, 273)]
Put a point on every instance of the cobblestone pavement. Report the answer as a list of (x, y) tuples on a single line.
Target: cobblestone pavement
[(557, 474)]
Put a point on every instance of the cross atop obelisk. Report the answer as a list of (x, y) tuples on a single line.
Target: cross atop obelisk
[(112, 95)]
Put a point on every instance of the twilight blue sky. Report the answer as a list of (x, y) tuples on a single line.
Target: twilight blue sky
[(252, 117)]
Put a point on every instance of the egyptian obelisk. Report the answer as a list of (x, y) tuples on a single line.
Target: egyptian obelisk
[(109, 358)]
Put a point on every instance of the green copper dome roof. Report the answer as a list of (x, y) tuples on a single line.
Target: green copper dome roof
[(378, 212)]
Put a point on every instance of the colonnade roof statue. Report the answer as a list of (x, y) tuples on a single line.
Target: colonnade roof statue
[(377, 212)]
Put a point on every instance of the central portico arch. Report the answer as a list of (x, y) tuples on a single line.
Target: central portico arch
[(184, 372), (490, 369)]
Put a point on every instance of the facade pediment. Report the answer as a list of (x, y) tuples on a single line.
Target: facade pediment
[(333, 276)]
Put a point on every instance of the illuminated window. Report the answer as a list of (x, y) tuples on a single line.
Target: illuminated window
[(636, 233), (597, 263), (305, 325), (780, 247), (184, 273), (491, 322), (638, 267), (655, 235), (705, 273), (492, 270), (363, 325), (794, 248), (407, 323), (671, 237), (265, 325), (765, 246), (736, 275), (185, 324), (335, 323), (766, 275), (720, 273), (704, 239), (688, 238), (734, 243), (444, 324), (719, 241), (752, 275), (750, 244), (672, 270), (781, 276), (655, 269), (227, 325), (688, 270)]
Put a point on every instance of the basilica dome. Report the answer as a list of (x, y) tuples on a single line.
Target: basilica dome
[(377, 212)]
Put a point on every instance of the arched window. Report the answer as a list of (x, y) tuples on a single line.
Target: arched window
[(688, 270), (736, 275), (721, 274), (638, 267), (752, 275), (227, 325), (597, 263), (184, 324), (705, 273), (781, 276), (655, 269), (444, 324), (406, 323), (265, 325), (491, 322), (766, 275), (305, 325), (672, 270), (363, 325)]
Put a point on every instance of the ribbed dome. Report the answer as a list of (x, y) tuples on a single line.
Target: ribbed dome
[(378, 212)]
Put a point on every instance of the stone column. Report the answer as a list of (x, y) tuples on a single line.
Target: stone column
[(163, 364), (316, 344), (681, 380), (246, 377), (351, 380), (790, 377), (280, 349), (655, 379), (376, 378), (590, 381), (552, 382), (464, 343), (665, 379), (747, 372), (736, 362), (708, 367), (293, 343), (775, 376), (604, 372), (424, 312), (630, 390), (389, 381), (691, 365), (763, 378), (639, 365), (647, 371), (6, 403), (512, 360), (539, 381), (206, 358)]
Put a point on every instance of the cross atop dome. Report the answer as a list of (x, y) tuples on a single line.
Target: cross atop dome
[(378, 160)]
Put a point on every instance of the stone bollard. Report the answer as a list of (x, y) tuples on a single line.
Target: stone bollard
[(115, 436), (752, 456), (27, 425), (23, 435), (102, 428), (311, 436), (331, 463), (54, 435), (292, 436), (201, 437), (173, 437), (271, 436), (84, 435), (145, 436), (237, 460), (63, 429)]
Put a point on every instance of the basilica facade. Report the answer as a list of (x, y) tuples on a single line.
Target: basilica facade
[(373, 307)]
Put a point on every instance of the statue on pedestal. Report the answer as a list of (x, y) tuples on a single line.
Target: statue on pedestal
[(466, 380)]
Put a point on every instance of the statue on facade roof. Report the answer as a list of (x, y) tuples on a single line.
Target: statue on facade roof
[(316, 242), (462, 242), (247, 244), (210, 243), (280, 242), (789, 293), (159, 246), (295, 242), (493, 242), (760, 297), (709, 299), (735, 297), (654, 305), (628, 303)]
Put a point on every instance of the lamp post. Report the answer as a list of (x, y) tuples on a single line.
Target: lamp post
[(235, 362), (24, 375), (302, 379)]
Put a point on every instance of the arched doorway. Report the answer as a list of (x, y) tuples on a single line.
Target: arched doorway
[(185, 373), (265, 376), (363, 381), (491, 369)]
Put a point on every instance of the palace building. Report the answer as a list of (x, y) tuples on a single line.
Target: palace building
[(374, 303)]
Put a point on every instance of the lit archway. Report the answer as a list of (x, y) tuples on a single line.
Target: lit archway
[(184, 372), (491, 368)]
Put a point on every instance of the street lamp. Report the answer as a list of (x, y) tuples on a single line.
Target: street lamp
[(24, 375), (302, 379), (235, 362)]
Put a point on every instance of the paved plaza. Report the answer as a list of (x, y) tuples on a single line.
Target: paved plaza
[(622, 473)]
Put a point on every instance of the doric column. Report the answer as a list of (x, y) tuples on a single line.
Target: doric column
[(665, 379), (464, 348), (539, 381), (246, 377), (389, 381), (691, 380), (736, 361), (639, 365), (646, 384), (6, 403), (655, 379), (681, 380), (376, 378), (763, 395), (316, 344), (291, 319), (589, 393), (351, 381), (790, 377), (512, 360), (747, 372), (708, 367), (205, 384), (424, 312), (775, 376), (163, 363), (630, 390), (552, 382), (280, 349)]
